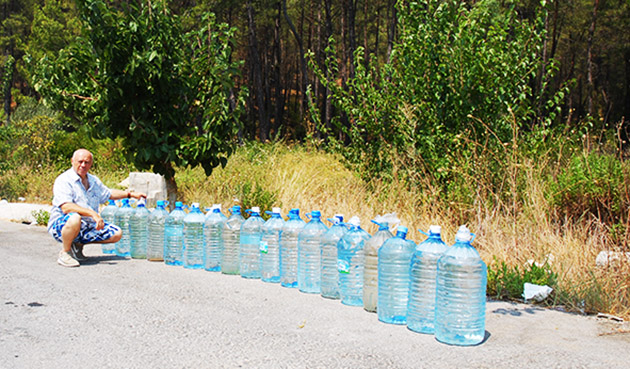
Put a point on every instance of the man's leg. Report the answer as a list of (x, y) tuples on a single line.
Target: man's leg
[(88, 234), (113, 239), (70, 231), (65, 230)]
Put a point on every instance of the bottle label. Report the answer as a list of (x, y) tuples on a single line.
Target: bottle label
[(343, 266), (264, 247)]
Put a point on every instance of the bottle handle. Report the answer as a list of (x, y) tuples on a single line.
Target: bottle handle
[(423, 232)]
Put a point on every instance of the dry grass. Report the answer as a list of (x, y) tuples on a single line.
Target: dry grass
[(515, 233)]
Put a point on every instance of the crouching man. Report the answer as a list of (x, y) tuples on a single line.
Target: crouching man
[(74, 218)]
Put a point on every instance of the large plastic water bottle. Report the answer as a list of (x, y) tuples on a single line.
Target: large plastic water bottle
[(460, 312), (174, 236), (421, 308), (231, 241), (249, 252), (350, 263), (370, 272), (122, 218), (155, 242), (270, 247), (193, 238), (108, 214), (213, 232), (330, 274), (310, 254), (394, 259), (288, 249), (139, 230)]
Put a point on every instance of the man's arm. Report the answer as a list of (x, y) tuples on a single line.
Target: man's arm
[(120, 194), (70, 207)]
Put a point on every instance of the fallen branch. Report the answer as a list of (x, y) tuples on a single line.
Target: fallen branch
[(78, 96)]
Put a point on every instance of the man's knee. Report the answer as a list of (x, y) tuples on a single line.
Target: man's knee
[(116, 237), (74, 220), (73, 224)]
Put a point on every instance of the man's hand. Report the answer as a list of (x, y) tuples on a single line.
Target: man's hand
[(100, 223), (137, 195)]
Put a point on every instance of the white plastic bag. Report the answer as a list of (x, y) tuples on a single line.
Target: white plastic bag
[(536, 292)]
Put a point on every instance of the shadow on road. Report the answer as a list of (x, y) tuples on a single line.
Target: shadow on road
[(103, 259), (518, 310)]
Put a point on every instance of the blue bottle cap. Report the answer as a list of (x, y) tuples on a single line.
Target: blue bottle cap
[(316, 214)]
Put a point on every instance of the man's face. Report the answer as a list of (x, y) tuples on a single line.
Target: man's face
[(81, 163)]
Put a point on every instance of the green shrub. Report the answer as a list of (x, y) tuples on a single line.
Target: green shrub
[(41, 216), (253, 194), (592, 184), (506, 282), (31, 108), (13, 184)]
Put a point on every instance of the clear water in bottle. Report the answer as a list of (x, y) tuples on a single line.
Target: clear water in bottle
[(121, 219), (249, 252), (108, 213), (139, 230), (231, 236), (460, 312), (370, 272), (174, 236), (310, 254), (350, 263), (330, 274), (155, 242), (270, 247), (288, 249), (213, 232), (394, 259), (193, 238), (421, 308)]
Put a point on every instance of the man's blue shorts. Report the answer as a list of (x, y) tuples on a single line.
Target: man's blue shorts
[(87, 234)]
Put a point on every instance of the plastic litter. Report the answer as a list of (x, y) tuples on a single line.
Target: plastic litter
[(535, 292)]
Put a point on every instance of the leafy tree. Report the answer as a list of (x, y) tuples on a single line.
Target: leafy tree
[(134, 74), (55, 25), (460, 76)]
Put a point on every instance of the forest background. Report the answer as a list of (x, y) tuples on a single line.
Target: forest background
[(507, 116)]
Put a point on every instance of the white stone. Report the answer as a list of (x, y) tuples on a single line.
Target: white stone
[(606, 258), (153, 185)]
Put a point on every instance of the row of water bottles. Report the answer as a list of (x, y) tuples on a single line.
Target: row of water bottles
[(430, 287)]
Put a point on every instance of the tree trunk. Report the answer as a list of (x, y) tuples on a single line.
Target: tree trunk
[(391, 32), (626, 111), (328, 92), (263, 128), (298, 39), (352, 37), (7, 83), (171, 185), (366, 45), (589, 60), (277, 55)]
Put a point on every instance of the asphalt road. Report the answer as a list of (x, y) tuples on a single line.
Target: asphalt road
[(121, 313)]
